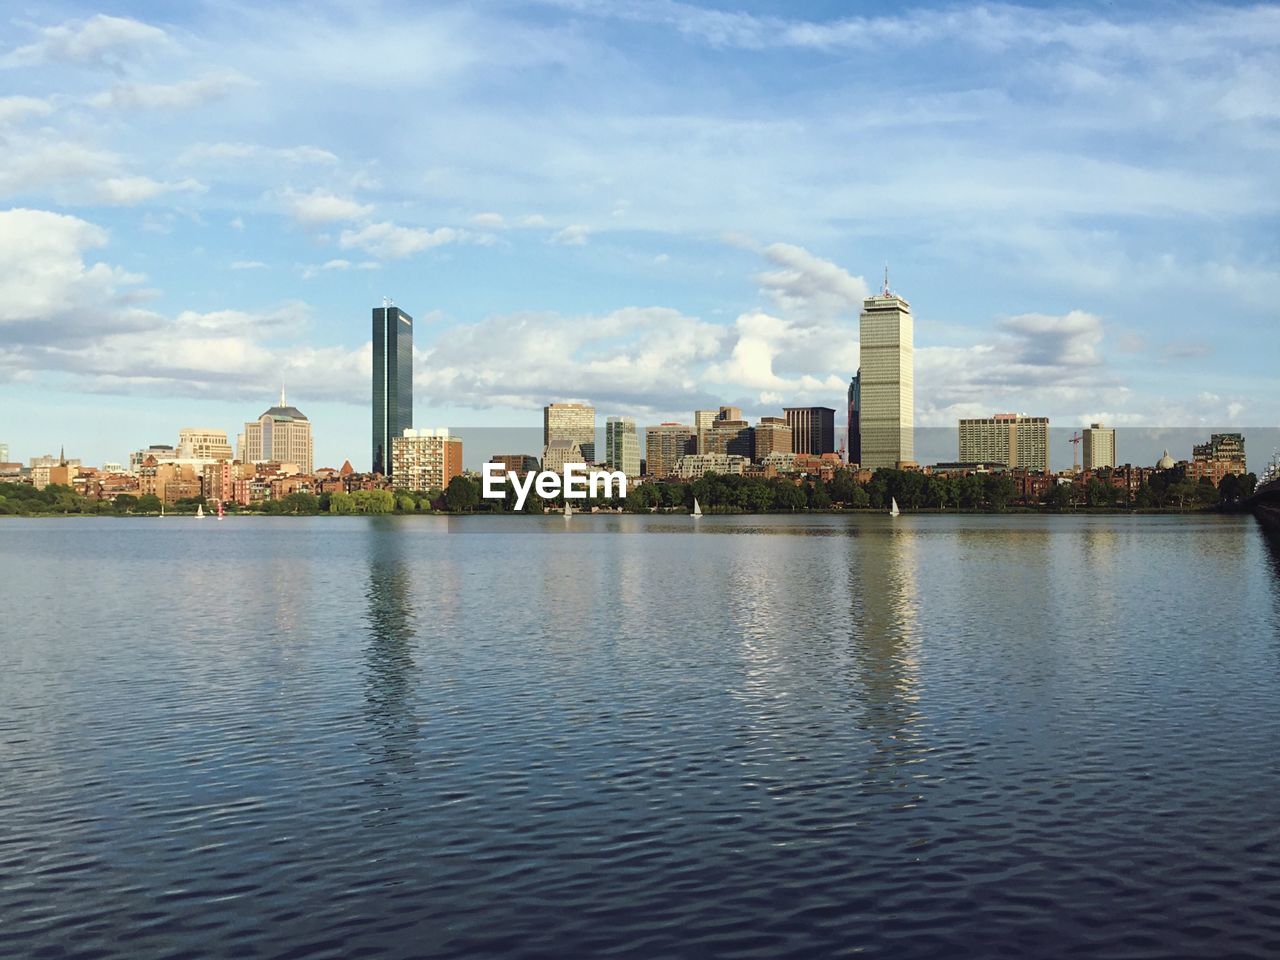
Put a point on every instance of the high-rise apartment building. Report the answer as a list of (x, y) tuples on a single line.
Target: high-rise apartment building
[(730, 437), (392, 381), (702, 420), (664, 445), (1014, 439), (205, 445), (425, 459), (886, 377), (1099, 447), (575, 422), (281, 435), (854, 452), (772, 435), (622, 445), (813, 429)]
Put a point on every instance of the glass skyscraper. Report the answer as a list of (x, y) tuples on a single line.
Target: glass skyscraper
[(392, 381), (854, 454)]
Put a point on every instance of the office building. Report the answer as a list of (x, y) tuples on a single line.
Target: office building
[(424, 460), (520, 463), (854, 452), (204, 445), (392, 381), (772, 435), (729, 413), (664, 445), (575, 422), (813, 429), (886, 384), (622, 445), (281, 435), (1099, 447), (1014, 439)]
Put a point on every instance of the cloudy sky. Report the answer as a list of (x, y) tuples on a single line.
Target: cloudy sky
[(654, 206)]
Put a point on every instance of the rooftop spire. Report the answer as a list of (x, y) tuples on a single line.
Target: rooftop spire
[(282, 394), (886, 278)]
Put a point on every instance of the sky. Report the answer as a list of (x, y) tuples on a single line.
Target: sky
[(651, 206)]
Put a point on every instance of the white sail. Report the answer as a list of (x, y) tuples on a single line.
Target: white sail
[(568, 510), (893, 507), (199, 511), (697, 510)]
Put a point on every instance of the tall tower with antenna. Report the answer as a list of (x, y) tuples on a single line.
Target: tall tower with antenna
[(392, 393), (886, 381)]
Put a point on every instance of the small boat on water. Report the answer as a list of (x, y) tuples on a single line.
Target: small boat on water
[(199, 511), (893, 507), (568, 510), (697, 509), (220, 513)]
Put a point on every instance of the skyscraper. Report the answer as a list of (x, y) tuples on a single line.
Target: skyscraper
[(281, 435), (702, 420), (886, 386), (813, 429), (622, 445), (665, 444), (575, 422), (854, 454), (1099, 447), (392, 381)]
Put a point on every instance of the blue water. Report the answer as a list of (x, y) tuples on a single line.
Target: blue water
[(639, 737)]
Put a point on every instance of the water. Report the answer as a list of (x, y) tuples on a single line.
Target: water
[(638, 737)]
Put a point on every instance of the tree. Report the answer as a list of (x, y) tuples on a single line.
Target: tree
[(406, 503), (998, 490), (341, 503), (373, 501), (300, 502), (149, 503), (124, 503), (463, 493)]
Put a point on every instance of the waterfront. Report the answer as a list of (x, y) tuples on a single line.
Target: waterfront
[(640, 736)]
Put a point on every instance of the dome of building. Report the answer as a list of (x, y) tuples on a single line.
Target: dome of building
[(1165, 462)]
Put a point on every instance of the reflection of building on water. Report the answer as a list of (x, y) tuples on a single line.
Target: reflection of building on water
[(884, 645), (389, 666)]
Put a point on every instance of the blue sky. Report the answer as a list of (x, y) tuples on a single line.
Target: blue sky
[(651, 206)]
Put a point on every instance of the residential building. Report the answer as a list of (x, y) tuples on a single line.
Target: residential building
[(622, 445), (559, 452), (392, 381), (1014, 439), (521, 463), (854, 452), (772, 435), (424, 460), (1222, 455), (160, 452), (201, 444), (702, 420), (813, 429), (695, 465), (282, 434), (664, 445), (1099, 447), (886, 381), (575, 422), (730, 437)]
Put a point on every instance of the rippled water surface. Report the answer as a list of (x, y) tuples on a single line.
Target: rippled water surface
[(639, 737)]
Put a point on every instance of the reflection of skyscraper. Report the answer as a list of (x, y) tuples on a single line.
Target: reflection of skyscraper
[(855, 427), (886, 380), (392, 381), (389, 665)]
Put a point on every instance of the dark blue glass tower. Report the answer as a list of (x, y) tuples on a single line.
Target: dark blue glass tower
[(392, 381), (855, 420)]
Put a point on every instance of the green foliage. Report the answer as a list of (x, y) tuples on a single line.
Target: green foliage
[(148, 503), (341, 503), (373, 501), (463, 493), (125, 503), (406, 504), (297, 503)]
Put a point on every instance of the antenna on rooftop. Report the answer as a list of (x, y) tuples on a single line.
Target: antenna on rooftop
[(387, 302), (886, 278)]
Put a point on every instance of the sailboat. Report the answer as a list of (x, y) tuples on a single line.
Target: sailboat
[(568, 510), (220, 513), (162, 509), (199, 511), (893, 507), (697, 510)]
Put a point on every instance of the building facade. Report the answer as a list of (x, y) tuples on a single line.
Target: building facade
[(520, 463), (205, 445), (1099, 447), (695, 465), (575, 422), (664, 445), (730, 437), (559, 452), (622, 445), (813, 429), (281, 435), (772, 435), (392, 381), (1013, 439), (854, 451), (702, 420), (424, 460), (886, 381)]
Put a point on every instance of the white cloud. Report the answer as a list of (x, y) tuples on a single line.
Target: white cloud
[(574, 235), (247, 264), (172, 96), (395, 242), (489, 221), (237, 153), (100, 40), (19, 107), (320, 206), (127, 191)]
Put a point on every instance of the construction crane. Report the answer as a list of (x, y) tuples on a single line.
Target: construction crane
[(1075, 450)]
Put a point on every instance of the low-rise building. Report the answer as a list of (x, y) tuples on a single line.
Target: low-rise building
[(695, 465)]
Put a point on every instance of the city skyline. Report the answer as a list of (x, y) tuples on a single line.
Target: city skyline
[(1071, 186)]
